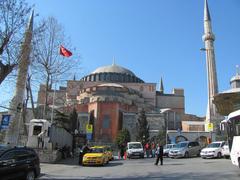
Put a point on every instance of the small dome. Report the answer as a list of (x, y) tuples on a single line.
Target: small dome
[(113, 69)]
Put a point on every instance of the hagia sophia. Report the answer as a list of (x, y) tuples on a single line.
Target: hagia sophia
[(110, 98)]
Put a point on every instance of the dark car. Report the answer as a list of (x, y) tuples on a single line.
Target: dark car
[(18, 163)]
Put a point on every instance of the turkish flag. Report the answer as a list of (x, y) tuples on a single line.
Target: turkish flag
[(65, 52)]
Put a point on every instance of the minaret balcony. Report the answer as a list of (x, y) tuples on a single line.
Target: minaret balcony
[(208, 36)]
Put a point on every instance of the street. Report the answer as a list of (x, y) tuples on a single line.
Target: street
[(192, 168)]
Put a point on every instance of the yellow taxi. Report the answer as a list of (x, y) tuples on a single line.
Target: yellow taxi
[(96, 156), (109, 153)]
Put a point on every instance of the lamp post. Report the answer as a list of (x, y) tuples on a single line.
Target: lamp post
[(165, 111)]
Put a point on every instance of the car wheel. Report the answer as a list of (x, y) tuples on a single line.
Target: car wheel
[(219, 155), (198, 155), (186, 155), (30, 175)]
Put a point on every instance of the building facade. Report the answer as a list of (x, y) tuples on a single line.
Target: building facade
[(110, 97)]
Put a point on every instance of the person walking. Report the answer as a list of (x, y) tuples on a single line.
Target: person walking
[(159, 153)]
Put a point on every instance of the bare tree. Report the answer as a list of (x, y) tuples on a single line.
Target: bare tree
[(13, 15), (47, 60)]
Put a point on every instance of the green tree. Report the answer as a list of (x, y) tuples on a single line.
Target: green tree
[(142, 127), (161, 137), (123, 137)]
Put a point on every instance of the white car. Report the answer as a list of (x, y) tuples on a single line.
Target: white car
[(213, 150), (135, 149), (225, 151)]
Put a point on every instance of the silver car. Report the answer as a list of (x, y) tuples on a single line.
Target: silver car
[(167, 148), (185, 149)]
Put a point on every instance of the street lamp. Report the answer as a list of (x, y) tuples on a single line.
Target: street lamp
[(166, 111)]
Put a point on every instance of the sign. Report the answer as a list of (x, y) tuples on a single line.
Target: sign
[(210, 127), (5, 121), (89, 128)]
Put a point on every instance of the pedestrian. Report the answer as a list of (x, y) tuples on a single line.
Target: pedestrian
[(153, 149), (85, 149), (122, 150), (147, 147), (40, 138), (159, 154)]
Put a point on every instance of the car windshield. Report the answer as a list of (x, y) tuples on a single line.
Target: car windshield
[(135, 146), (181, 145), (97, 150), (214, 145), (169, 146)]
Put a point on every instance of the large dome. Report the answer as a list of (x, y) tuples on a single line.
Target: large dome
[(113, 69), (113, 73)]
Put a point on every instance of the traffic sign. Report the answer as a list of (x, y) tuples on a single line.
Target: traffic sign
[(210, 126)]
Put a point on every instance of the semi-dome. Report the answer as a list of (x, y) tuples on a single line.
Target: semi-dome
[(113, 73)]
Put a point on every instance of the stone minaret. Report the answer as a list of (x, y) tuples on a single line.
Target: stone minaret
[(208, 39), (16, 105), (161, 88)]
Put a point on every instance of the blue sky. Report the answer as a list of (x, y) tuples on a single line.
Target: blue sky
[(152, 38)]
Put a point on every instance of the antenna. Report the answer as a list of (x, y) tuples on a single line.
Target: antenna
[(113, 61)]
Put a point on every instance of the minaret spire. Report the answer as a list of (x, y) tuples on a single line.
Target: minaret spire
[(207, 16), (208, 39), (161, 86), (17, 103)]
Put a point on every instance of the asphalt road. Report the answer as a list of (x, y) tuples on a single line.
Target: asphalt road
[(139, 169)]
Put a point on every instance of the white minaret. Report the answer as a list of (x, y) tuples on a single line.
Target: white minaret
[(208, 39), (12, 133)]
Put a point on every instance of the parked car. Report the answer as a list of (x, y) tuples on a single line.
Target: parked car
[(185, 149), (167, 148), (213, 150), (96, 156), (18, 163), (225, 151), (135, 149)]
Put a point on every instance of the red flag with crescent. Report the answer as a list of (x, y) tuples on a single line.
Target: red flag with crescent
[(65, 52)]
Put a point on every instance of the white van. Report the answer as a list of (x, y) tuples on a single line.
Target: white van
[(135, 149)]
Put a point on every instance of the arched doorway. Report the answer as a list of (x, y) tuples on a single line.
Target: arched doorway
[(180, 139), (202, 141)]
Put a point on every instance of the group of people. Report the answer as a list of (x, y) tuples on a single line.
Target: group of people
[(150, 149)]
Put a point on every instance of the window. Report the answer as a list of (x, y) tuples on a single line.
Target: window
[(106, 122), (8, 155), (191, 144), (37, 130)]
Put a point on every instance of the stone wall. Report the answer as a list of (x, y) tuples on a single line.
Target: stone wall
[(156, 122), (130, 122)]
